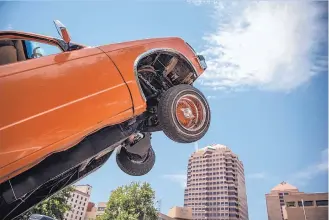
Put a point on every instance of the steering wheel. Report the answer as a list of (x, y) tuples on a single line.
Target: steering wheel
[(35, 54)]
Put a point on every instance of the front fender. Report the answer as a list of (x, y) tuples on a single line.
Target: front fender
[(127, 55)]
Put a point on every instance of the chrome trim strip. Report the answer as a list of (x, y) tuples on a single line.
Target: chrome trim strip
[(155, 50)]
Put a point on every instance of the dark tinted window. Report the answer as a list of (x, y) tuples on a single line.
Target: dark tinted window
[(306, 203), (101, 208), (321, 202)]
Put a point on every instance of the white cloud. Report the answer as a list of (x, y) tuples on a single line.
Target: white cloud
[(178, 178), (9, 27), (211, 97), (260, 175), (303, 176), (265, 44)]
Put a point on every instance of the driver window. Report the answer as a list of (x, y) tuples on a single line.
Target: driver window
[(36, 49), (12, 51)]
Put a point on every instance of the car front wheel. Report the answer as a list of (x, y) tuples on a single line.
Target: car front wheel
[(184, 114)]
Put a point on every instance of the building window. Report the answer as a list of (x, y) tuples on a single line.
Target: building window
[(290, 204), (321, 202), (306, 203)]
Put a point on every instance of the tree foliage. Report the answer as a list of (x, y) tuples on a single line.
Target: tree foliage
[(135, 201), (55, 206)]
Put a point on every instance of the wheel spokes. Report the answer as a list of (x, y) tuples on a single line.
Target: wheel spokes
[(190, 112)]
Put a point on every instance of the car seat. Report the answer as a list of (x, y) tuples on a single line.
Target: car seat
[(11, 51)]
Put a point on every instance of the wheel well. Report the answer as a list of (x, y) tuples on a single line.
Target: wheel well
[(163, 68)]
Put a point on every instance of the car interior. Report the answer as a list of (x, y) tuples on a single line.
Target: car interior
[(11, 51)]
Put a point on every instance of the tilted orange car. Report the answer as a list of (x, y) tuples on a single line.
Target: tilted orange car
[(65, 107)]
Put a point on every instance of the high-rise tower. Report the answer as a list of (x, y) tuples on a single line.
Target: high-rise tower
[(216, 185)]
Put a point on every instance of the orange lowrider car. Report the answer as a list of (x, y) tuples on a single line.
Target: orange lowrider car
[(66, 107)]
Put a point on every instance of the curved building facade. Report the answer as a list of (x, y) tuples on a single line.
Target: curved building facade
[(216, 185)]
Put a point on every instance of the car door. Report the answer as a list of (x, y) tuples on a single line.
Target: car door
[(48, 96)]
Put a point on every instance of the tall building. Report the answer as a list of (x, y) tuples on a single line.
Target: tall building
[(79, 202), (285, 202), (216, 185)]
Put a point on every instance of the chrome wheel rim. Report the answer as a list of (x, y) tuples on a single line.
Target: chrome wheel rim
[(190, 112)]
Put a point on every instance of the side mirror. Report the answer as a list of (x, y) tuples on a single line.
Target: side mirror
[(62, 31), (40, 217)]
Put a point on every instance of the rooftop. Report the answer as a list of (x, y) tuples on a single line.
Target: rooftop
[(213, 147), (284, 186)]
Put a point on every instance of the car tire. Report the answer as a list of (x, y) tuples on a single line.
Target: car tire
[(135, 167), (184, 114)]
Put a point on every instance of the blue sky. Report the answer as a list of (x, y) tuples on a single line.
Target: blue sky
[(267, 84)]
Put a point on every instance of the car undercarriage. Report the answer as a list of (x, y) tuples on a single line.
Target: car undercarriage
[(58, 171)]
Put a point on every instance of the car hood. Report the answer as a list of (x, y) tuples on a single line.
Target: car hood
[(118, 46)]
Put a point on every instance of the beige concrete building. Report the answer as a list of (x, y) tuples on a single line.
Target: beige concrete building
[(216, 185), (285, 202), (177, 213), (101, 208), (78, 201)]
